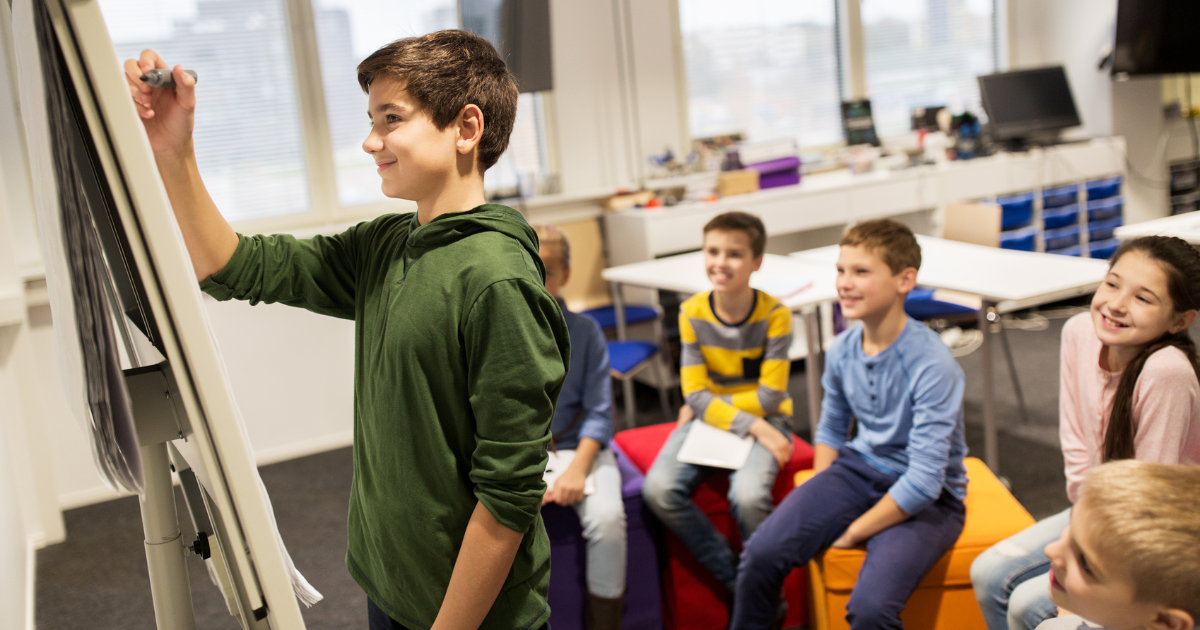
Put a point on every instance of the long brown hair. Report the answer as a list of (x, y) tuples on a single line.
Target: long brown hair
[(1181, 262)]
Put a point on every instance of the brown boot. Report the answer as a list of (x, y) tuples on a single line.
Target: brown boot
[(604, 613)]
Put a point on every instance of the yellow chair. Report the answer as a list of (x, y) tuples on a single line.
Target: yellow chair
[(944, 600)]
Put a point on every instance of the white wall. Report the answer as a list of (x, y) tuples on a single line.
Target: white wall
[(1075, 34)]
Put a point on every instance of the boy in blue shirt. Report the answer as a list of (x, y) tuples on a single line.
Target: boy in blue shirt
[(898, 486), (583, 423)]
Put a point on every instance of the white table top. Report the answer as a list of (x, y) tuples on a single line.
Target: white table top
[(1013, 280), (685, 273), (1185, 226)]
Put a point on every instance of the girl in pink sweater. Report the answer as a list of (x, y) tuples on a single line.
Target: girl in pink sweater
[(1129, 389)]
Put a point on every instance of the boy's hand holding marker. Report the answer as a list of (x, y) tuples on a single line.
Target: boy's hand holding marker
[(168, 113)]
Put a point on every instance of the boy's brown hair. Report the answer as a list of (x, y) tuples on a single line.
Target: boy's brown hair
[(1147, 520), (890, 240), (444, 72), (745, 223)]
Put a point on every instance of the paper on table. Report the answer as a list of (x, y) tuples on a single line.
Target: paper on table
[(559, 462), (706, 445), (780, 285)]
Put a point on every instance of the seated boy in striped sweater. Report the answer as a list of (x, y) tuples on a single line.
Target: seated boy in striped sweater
[(734, 375)]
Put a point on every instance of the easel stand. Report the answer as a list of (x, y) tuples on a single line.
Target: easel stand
[(169, 583)]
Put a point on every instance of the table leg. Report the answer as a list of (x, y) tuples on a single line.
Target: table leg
[(627, 383), (991, 453), (813, 367)]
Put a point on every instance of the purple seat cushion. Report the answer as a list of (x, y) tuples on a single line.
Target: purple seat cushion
[(568, 560)]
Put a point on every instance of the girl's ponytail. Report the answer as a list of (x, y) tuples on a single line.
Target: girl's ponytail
[(1181, 262)]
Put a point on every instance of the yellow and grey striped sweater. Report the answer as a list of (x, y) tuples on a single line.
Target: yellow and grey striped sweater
[(733, 373)]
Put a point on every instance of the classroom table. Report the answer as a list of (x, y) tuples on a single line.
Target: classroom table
[(684, 273), (1005, 280), (1186, 226)]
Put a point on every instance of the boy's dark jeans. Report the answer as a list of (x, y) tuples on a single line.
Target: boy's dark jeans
[(379, 620), (814, 515)]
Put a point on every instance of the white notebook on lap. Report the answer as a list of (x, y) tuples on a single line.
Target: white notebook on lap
[(706, 445)]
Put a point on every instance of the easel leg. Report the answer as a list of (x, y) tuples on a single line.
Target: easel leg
[(169, 585)]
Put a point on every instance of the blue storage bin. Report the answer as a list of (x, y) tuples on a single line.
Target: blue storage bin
[(1103, 249), (1103, 230), (1060, 217), (1015, 211), (1024, 239), (1073, 250), (1061, 237), (1106, 208), (1103, 188), (1061, 196)]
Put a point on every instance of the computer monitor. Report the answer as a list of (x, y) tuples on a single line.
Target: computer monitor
[(1028, 103), (1157, 37)]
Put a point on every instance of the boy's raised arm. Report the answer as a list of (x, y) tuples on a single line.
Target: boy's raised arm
[(168, 116)]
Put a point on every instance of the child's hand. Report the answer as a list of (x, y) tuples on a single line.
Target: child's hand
[(773, 439), (845, 541), (686, 414), (568, 489), (168, 112)]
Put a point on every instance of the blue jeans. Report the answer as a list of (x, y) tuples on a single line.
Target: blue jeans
[(668, 493), (814, 515), (1012, 580)]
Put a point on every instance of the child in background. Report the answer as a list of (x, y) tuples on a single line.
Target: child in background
[(1129, 390), (583, 423), (898, 486), (734, 375), (1130, 557)]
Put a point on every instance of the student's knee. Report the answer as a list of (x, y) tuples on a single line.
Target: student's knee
[(606, 522), (987, 574), (1030, 604), (869, 612), (661, 491)]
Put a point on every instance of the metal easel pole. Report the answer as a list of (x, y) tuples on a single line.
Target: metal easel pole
[(169, 584)]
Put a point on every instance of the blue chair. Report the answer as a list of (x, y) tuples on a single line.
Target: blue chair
[(606, 316), (626, 359), (922, 305)]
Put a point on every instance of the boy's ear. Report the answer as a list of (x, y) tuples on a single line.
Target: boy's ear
[(756, 263), (470, 128), (907, 279), (1172, 619), (1183, 321)]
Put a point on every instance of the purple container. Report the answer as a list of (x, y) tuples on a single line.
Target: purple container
[(779, 172)]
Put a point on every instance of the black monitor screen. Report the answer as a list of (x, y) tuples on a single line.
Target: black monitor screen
[(1157, 37), (1028, 101)]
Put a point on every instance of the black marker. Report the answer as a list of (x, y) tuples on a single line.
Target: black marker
[(161, 77)]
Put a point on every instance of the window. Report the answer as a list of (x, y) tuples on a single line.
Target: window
[(768, 68), (925, 52), (248, 135)]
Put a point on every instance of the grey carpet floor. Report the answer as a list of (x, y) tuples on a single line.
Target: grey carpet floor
[(97, 579)]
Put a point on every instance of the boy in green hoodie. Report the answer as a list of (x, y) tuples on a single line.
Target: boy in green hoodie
[(459, 351)]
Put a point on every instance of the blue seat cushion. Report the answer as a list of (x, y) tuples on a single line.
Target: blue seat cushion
[(606, 316), (625, 356), (921, 306)]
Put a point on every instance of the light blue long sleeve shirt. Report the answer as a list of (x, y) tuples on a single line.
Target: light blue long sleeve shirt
[(587, 387), (908, 402)]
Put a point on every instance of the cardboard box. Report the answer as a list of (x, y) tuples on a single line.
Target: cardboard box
[(731, 183)]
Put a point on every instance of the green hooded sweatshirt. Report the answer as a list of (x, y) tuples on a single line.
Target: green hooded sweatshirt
[(459, 357)]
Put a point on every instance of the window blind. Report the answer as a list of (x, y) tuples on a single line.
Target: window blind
[(247, 131), (768, 68), (923, 53)]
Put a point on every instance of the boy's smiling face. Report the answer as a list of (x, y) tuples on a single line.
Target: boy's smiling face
[(412, 156), (1088, 583), (729, 260), (866, 285)]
